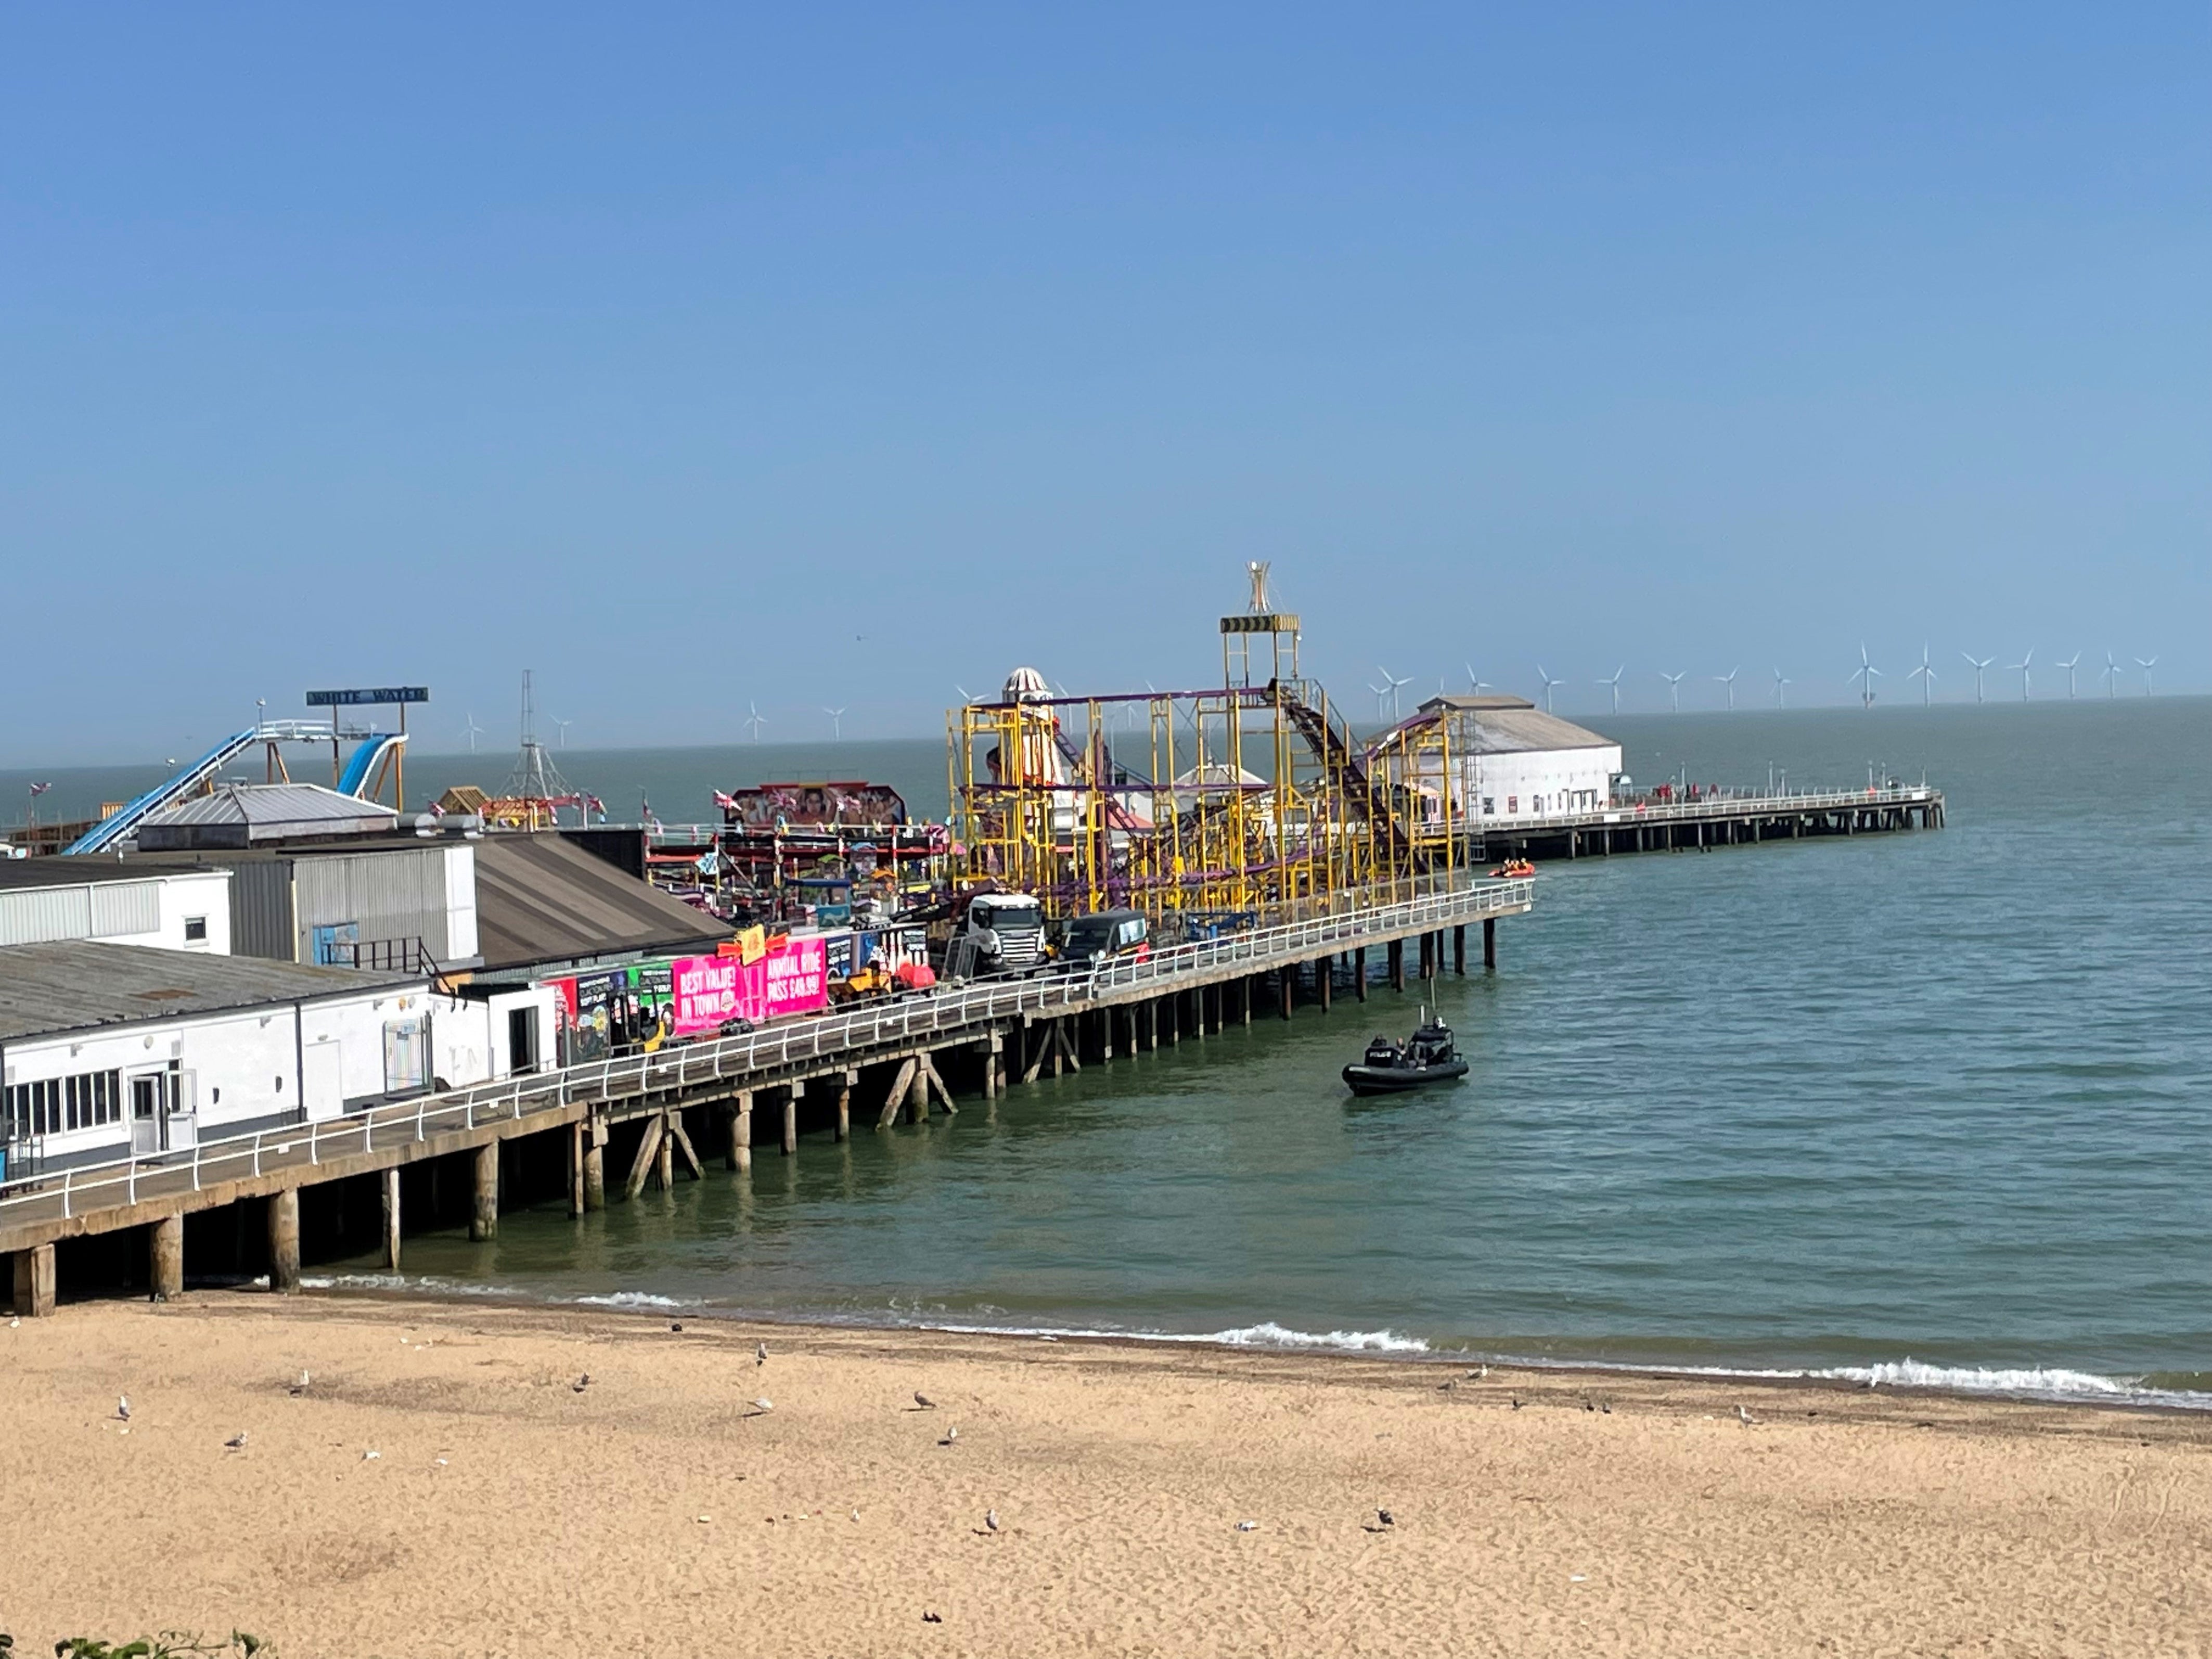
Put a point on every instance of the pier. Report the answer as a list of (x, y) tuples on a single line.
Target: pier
[(1716, 820), (635, 1118)]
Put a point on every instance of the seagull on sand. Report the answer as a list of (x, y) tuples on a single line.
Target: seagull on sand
[(762, 1406), (760, 1354), (236, 1443), (951, 1435), (582, 1383), (1745, 1417), (1516, 1405), (991, 1519), (1248, 1525), (924, 1400), (300, 1387), (1386, 1517), (123, 1407)]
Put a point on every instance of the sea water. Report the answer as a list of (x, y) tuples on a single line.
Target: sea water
[(1929, 1107)]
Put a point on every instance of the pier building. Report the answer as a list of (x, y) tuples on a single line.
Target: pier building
[(46, 900), (1508, 760)]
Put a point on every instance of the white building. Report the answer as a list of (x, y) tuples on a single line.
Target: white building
[(1511, 761), (110, 1049), (46, 900)]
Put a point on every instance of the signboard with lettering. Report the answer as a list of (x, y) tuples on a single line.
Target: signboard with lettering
[(368, 696)]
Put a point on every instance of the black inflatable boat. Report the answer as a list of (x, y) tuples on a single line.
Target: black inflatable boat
[(1429, 1055)]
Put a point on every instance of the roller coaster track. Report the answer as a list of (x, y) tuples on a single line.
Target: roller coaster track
[(1337, 753)]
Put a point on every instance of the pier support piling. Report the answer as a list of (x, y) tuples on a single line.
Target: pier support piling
[(595, 1165), (844, 1105), (284, 1241), (741, 1132), (664, 1155), (575, 1171), (1359, 974), (483, 1217), (648, 1153), (681, 1138), (1287, 976), (34, 1282), (388, 1214), (791, 1097), (1396, 959), (1459, 949), (165, 1252), (1489, 942), (1325, 982)]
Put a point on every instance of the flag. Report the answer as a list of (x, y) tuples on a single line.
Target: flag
[(40, 788), (724, 801), (596, 805)]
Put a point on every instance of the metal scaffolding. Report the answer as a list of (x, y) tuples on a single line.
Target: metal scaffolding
[(1206, 809)]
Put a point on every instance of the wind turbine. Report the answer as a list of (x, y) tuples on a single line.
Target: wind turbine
[(1866, 674), (1549, 684), (2069, 665), (1926, 676), (1394, 681), (1979, 663), (837, 724), (754, 720), (966, 696), (1674, 689), (1382, 702), (2022, 665), (1615, 684), (2147, 663), (475, 731), (1728, 680), (2112, 676), (1780, 701), (564, 726), (1474, 685)]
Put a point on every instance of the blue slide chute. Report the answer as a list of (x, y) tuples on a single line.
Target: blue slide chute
[(110, 830), (371, 753)]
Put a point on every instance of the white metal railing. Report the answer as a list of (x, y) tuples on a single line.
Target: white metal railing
[(1716, 805), (857, 1032)]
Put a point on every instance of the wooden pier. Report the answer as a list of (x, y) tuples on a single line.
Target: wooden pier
[(646, 1114), (1674, 826)]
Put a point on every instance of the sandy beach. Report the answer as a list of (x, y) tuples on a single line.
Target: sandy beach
[(656, 1510)]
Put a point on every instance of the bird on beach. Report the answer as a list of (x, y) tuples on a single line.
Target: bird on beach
[(760, 1354), (675, 1324), (762, 1406), (236, 1443), (1745, 1417), (1516, 1405), (991, 1520), (924, 1401), (951, 1435), (123, 1407), (300, 1387), (1480, 1374), (1248, 1525), (582, 1383), (1386, 1517)]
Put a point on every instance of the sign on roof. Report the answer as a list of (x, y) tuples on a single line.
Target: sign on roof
[(378, 694)]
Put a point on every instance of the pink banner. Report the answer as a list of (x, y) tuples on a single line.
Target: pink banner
[(797, 977), (707, 991)]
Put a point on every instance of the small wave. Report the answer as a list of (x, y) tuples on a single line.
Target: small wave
[(425, 1284), (2034, 1382), (625, 1300), (1268, 1334)]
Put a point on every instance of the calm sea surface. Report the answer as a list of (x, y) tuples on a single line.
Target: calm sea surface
[(1939, 1098)]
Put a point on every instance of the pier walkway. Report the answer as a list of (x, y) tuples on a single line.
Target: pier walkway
[(1002, 1032), (1722, 820)]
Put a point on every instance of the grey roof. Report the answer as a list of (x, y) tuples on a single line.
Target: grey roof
[(540, 898), (1502, 726), (1463, 700), (76, 985), (243, 812), (17, 874)]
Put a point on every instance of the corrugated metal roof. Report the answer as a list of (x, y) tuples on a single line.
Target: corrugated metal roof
[(273, 808), (1518, 731), (79, 984), (74, 873), (540, 898)]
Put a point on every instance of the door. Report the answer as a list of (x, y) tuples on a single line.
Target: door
[(522, 1041), (322, 1081), (181, 1127), (149, 1111)]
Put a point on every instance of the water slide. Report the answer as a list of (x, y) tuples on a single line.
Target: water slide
[(123, 824), (108, 832), (371, 752)]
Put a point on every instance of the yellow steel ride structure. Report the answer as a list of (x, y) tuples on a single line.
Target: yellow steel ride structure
[(1251, 802)]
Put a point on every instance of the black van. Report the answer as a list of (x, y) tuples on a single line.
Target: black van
[(1108, 933)]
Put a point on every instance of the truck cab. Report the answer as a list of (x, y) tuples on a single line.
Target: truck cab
[(999, 933)]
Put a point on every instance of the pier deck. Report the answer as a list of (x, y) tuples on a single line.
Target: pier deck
[(1713, 821), (1016, 1027)]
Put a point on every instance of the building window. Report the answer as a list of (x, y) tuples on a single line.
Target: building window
[(1490, 805), (54, 1106), (195, 930)]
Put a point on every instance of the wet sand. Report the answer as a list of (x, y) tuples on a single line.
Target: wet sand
[(656, 1512)]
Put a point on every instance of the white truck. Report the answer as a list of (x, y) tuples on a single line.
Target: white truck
[(999, 933)]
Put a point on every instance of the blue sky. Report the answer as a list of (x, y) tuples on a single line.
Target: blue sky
[(697, 357)]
